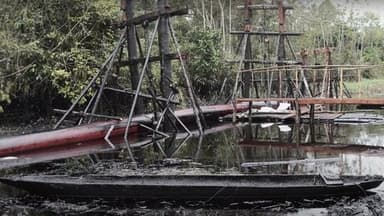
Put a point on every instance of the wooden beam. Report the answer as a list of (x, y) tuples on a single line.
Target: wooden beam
[(265, 99), (140, 94), (266, 62), (268, 33), (171, 56), (309, 101), (352, 101), (150, 17), (83, 114), (264, 7)]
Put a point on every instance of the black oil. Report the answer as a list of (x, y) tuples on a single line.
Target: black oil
[(273, 148)]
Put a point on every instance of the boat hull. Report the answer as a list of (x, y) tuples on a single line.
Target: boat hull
[(206, 188)]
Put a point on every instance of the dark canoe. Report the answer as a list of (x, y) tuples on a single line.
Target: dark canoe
[(195, 187)]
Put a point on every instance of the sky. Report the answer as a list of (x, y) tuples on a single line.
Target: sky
[(363, 6)]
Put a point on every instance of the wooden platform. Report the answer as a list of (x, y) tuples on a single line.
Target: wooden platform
[(310, 101)]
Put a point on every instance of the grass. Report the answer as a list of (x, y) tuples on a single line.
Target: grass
[(367, 88)]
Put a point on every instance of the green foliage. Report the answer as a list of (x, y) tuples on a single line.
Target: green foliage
[(72, 70), (53, 47), (206, 62)]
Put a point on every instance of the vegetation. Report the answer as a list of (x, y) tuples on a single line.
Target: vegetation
[(49, 49), (367, 88)]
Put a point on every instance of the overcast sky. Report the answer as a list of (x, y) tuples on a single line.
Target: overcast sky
[(363, 6)]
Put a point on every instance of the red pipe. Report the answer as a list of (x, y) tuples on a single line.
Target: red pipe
[(97, 130)]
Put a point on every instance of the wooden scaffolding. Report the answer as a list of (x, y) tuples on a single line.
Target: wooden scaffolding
[(139, 61)]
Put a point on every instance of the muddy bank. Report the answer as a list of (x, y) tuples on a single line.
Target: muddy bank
[(32, 205), (368, 206)]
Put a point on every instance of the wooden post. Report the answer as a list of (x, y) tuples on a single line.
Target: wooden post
[(359, 81), (280, 85), (132, 53), (296, 79), (341, 82), (199, 117), (247, 77), (165, 63), (134, 103), (238, 74), (312, 122), (281, 54), (250, 112), (314, 82), (298, 111)]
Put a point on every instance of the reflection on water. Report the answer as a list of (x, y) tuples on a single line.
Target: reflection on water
[(256, 143), (351, 150)]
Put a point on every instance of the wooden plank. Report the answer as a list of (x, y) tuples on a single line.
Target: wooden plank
[(352, 101), (269, 163), (264, 7), (268, 33), (307, 101), (150, 17), (329, 180), (265, 99)]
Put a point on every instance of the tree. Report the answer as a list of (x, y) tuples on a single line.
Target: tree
[(51, 48)]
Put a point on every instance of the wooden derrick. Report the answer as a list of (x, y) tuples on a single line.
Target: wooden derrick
[(140, 70), (248, 63)]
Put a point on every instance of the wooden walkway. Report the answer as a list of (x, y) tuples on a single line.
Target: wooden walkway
[(311, 101), (300, 104)]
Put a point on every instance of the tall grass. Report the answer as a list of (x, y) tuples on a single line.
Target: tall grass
[(367, 88)]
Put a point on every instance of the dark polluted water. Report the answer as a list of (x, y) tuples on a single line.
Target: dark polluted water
[(268, 148)]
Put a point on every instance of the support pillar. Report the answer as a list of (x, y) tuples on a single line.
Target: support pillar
[(247, 77), (132, 54), (165, 63)]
